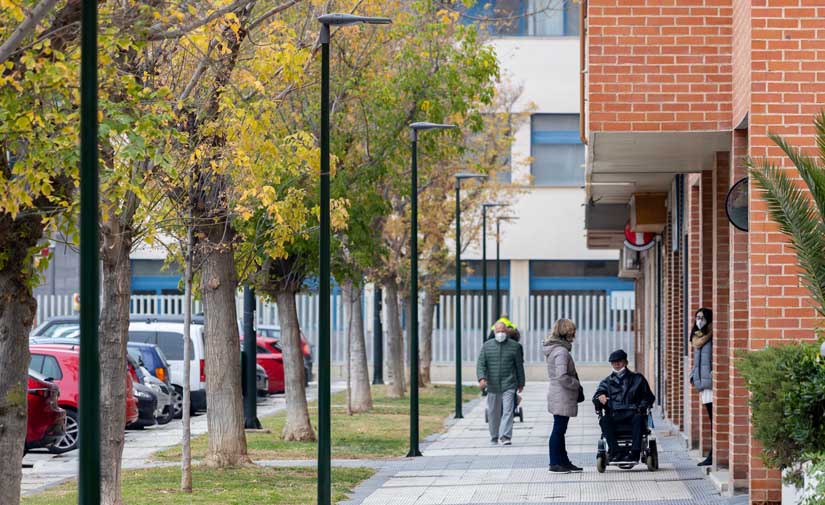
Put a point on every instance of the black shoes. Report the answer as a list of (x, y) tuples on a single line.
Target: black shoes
[(559, 469), (616, 456), (707, 461), (573, 468), (632, 457)]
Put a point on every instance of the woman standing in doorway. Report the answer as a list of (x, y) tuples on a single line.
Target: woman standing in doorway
[(701, 337), (564, 391)]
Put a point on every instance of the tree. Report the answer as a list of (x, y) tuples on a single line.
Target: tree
[(800, 214), (38, 172)]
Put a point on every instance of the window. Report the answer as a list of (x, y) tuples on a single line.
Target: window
[(51, 368), (537, 18), (557, 151), (36, 362), (263, 350), (144, 337), (172, 345)]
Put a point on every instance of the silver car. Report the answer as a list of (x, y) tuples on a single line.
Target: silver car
[(164, 411)]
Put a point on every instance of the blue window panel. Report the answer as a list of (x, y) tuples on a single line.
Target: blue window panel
[(155, 283), (519, 18), (608, 284), (555, 137), (473, 283)]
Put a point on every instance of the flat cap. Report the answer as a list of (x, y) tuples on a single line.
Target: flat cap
[(619, 355)]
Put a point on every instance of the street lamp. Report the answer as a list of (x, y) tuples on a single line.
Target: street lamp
[(88, 482), (485, 321), (458, 396), (498, 260), (415, 128), (324, 447)]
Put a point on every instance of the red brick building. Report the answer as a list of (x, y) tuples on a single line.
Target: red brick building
[(677, 94)]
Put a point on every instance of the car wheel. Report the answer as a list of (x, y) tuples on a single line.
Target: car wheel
[(177, 403), (168, 415), (69, 440)]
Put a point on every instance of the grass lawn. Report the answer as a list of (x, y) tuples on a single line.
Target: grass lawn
[(381, 433), (239, 486)]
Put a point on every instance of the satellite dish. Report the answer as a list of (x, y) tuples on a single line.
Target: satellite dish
[(736, 204)]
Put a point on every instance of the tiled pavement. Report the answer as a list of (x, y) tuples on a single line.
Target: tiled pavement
[(462, 467)]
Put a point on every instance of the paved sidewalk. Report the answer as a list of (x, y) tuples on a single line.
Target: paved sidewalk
[(462, 467)]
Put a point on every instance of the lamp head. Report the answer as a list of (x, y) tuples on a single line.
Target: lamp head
[(467, 175), (424, 125), (340, 19)]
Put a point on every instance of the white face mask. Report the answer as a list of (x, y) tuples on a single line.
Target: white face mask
[(700, 323), (501, 337), (620, 371)]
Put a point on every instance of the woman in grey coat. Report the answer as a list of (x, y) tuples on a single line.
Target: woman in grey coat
[(701, 338), (562, 391)]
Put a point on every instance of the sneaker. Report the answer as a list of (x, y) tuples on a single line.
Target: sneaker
[(705, 462), (506, 441), (559, 469), (494, 440), (573, 468)]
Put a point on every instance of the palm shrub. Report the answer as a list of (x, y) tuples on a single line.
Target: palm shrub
[(786, 383)]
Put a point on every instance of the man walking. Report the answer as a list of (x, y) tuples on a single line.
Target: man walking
[(500, 369)]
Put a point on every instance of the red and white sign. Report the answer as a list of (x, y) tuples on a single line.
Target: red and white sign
[(638, 241)]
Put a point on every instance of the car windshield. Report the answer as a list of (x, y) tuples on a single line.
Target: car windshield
[(61, 330)]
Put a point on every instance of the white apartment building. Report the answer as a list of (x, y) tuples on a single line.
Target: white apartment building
[(545, 250)]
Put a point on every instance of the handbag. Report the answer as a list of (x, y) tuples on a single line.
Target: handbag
[(581, 394)]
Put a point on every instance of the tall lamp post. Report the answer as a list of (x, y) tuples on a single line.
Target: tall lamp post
[(485, 320), (324, 446), (498, 260), (458, 362), (415, 128), (89, 441)]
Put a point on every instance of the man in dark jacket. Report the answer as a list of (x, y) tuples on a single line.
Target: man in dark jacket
[(625, 397), (500, 369)]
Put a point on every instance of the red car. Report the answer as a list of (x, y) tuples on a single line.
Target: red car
[(273, 334), (61, 362), (46, 422), (270, 357)]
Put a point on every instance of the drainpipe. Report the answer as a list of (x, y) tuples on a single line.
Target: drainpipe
[(582, 69)]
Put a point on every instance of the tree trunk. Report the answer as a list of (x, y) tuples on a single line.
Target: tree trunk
[(427, 337), (360, 378), (186, 451), (224, 417), (395, 342), (17, 310), (114, 333), (298, 425)]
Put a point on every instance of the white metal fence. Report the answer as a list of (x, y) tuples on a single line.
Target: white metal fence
[(604, 323)]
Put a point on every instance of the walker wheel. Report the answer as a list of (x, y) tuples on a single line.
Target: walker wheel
[(601, 463)]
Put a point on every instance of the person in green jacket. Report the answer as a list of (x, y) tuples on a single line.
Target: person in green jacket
[(500, 369)]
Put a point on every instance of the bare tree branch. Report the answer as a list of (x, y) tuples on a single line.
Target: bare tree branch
[(25, 28)]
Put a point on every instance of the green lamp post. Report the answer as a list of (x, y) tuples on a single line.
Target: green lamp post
[(415, 128), (324, 444)]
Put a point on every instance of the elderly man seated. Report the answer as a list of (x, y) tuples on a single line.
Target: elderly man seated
[(624, 397)]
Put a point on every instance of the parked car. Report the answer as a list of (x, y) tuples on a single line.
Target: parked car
[(273, 333), (61, 361), (147, 404), (46, 421), (153, 359), (164, 408), (166, 333), (261, 381), (272, 362)]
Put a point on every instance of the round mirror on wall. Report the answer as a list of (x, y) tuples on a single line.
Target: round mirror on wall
[(736, 205)]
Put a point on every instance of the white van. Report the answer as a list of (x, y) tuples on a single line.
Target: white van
[(167, 334)]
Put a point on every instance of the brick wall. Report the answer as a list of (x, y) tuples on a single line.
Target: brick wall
[(721, 302), (739, 441), (787, 89), (695, 279), (706, 192), (659, 65), (741, 59)]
